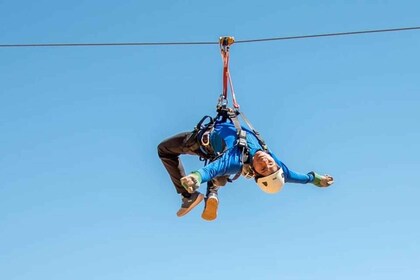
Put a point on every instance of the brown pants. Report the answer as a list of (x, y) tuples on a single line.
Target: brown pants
[(169, 151)]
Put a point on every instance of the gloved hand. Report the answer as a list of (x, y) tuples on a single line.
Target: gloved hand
[(191, 182), (322, 181)]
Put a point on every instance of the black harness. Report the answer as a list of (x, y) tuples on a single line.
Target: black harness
[(203, 129)]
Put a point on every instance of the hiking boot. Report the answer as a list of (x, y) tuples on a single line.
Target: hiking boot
[(210, 210), (188, 203)]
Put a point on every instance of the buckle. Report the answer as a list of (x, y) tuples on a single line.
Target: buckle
[(205, 139), (242, 139)]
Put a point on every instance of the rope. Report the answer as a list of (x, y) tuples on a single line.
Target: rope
[(206, 43)]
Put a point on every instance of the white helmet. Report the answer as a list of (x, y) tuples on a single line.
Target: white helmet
[(272, 183)]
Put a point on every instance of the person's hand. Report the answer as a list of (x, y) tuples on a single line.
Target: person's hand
[(191, 182), (322, 181), (326, 181)]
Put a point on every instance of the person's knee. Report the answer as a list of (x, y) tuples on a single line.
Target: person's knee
[(161, 149), (220, 181)]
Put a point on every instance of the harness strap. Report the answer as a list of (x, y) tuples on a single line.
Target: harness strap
[(241, 142), (202, 134), (256, 133), (203, 131), (225, 43)]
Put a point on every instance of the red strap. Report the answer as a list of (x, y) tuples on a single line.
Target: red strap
[(226, 75), (225, 58)]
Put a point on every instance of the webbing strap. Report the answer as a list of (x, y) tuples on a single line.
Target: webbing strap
[(241, 142), (225, 43), (232, 91), (225, 58), (256, 133)]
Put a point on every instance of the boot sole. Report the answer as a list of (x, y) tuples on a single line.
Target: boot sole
[(210, 210), (183, 211)]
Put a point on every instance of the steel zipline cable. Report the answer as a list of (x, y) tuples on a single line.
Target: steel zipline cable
[(207, 43), (330, 34)]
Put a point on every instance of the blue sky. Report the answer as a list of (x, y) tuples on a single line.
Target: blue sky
[(83, 194)]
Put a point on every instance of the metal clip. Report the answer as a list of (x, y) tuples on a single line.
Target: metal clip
[(242, 139), (205, 139), (221, 102)]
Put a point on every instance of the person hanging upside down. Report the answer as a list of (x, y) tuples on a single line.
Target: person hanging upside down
[(221, 144)]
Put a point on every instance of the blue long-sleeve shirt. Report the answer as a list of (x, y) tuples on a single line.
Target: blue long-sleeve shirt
[(230, 162)]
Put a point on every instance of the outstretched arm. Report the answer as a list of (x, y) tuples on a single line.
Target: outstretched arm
[(301, 178)]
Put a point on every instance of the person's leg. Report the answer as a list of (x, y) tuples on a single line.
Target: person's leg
[(212, 202), (169, 151), (211, 189)]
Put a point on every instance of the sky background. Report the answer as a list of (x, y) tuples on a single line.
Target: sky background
[(83, 194)]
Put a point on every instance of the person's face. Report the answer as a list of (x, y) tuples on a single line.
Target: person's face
[(264, 164)]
